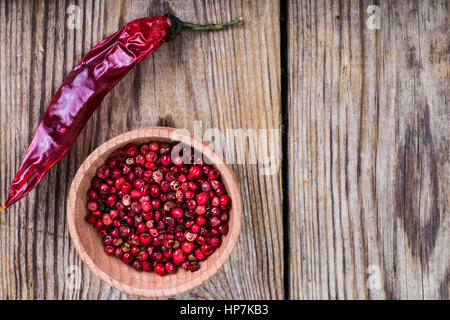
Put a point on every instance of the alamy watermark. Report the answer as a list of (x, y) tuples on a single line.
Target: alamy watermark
[(74, 17), (73, 278), (261, 147), (374, 17), (374, 280)]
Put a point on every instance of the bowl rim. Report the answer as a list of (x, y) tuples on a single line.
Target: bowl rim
[(156, 133)]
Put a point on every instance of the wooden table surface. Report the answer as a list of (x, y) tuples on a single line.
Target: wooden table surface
[(358, 208)]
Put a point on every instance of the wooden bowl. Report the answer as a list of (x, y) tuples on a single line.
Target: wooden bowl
[(109, 268)]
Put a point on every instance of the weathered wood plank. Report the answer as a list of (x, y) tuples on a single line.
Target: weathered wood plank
[(368, 133), (225, 79), (368, 152)]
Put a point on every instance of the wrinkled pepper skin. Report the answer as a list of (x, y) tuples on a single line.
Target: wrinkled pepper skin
[(81, 93)]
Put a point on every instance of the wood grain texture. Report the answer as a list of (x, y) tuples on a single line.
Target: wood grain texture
[(368, 150), (367, 139), (224, 79)]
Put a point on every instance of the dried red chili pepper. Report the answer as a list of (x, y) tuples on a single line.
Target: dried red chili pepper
[(84, 89)]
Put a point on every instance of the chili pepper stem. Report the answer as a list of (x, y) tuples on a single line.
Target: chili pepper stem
[(178, 25), (209, 27)]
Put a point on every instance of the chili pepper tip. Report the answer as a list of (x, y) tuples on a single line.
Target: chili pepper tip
[(3, 207)]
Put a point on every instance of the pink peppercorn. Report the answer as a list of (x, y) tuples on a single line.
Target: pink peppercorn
[(158, 213)]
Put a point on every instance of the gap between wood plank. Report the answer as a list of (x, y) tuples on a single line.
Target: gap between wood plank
[(284, 13)]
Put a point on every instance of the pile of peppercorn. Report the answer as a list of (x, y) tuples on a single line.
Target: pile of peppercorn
[(157, 208)]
